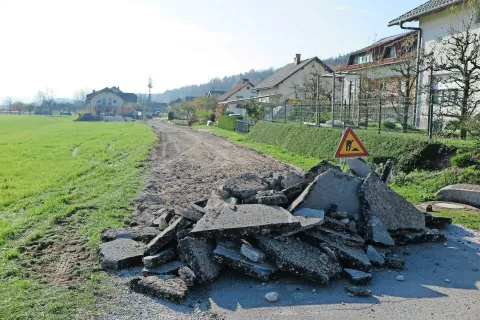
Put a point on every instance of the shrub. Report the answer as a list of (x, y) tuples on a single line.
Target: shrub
[(462, 160), (171, 115), (453, 125), (192, 120), (88, 117), (227, 123), (389, 125)]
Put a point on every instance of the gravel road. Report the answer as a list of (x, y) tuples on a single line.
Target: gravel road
[(186, 165)]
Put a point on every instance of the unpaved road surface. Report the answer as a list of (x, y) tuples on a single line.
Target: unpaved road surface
[(186, 165)]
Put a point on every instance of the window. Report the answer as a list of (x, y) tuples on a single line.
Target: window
[(114, 101), (103, 101), (248, 88), (390, 52), (363, 58), (109, 101), (239, 97)]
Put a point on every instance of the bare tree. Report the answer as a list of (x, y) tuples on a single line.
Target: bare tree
[(30, 107), (46, 99), (18, 106), (150, 86), (8, 103), (80, 97), (458, 66)]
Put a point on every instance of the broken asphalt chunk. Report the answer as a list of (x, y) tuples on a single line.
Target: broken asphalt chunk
[(244, 186), (251, 253), (119, 233), (159, 258), (173, 290), (232, 258), (166, 236), (187, 275), (377, 232), (436, 222), (394, 263), (358, 277), (426, 235), (271, 198), (319, 169), (164, 269), (198, 254), (120, 253), (391, 208), (358, 291), (376, 258), (300, 258), (331, 188), (250, 219)]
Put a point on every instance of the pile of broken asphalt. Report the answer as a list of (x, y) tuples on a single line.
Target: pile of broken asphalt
[(318, 226)]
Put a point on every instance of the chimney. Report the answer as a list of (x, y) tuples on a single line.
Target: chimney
[(297, 58), (245, 80)]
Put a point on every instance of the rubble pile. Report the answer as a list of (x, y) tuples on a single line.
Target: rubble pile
[(318, 226)]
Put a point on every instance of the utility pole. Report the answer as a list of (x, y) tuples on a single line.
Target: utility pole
[(150, 86)]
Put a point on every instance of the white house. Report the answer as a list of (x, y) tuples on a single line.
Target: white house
[(284, 81), (237, 95), (110, 101), (435, 17)]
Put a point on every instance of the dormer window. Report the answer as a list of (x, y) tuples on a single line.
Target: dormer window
[(390, 52)]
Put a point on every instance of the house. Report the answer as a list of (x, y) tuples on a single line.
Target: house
[(215, 93), (378, 64), (234, 97), (189, 99), (284, 82), (111, 101), (158, 106), (434, 17)]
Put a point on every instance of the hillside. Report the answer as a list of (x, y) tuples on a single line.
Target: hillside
[(226, 83)]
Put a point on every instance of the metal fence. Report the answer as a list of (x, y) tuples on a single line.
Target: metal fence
[(380, 114), (241, 126)]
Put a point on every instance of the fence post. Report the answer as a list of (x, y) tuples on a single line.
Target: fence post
[(333, 100), (380, 116), (272, 113), (301, 114), (285, 113)]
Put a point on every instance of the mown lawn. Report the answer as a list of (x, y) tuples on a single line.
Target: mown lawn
[(52, 169)]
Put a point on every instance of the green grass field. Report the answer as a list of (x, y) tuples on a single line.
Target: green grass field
[(53, 170)]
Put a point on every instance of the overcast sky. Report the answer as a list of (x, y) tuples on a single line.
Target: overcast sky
[(72, 44)]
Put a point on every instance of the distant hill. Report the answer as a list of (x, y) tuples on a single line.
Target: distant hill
[(226, 83)]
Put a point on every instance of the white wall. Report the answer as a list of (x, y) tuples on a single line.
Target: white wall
[(435, 26)]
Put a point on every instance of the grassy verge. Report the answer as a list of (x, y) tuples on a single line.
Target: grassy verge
[(469, 219), (301, 161), (54, 170)]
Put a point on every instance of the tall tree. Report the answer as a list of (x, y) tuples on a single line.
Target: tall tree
[(8, 103), (18, 106), (80, 97), (150, 86), (46, 99), (30, 107), (458, 66)]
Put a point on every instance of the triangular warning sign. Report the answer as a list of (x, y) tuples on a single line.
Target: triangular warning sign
[(350, 146)]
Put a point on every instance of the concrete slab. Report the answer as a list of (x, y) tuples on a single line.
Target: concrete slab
[(198, 254), (120, 253), (359, 167), (164, 269), (461, 193), (173, 290), (166, 236)]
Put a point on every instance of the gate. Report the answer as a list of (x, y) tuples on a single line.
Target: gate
[(241, 126)]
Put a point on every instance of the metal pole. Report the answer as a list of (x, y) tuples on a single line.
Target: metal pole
[(286, 113), (333, 100), (358, 100), (430, 107), (380, 116), (343, 105)]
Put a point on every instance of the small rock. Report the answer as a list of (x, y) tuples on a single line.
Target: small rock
[(475, 269), (447, 280), (400, 278), (313, 290), (159, 258), (358, 277), (358, 291), (437, 264), (345, 221), (394, 263), (271, 296), (187, 275), (252, 253)]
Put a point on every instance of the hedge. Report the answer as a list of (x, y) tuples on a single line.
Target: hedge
[(409, 151), (227, 123)]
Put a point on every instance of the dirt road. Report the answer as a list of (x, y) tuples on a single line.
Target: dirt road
[(186, 166)]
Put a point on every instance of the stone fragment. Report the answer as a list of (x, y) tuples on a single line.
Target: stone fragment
[(196, 211), (300, 258), (164, 269), (244, 186), (338, 215), (359, 167), (274, 182), (222, 192), (310, 213), (198, 254), (119, 233), (436, 222), (216, 202), (271, 198), (387, 170), (294, 191), (251, 253), (249, 219), (332, 187), (358, 291), (345, 238), (159, 258), (376, 258), (334, 224), (120, 254), (358, 277), (394, 263), (187, 275), (377, 232), (173, 290), (352, 227), (447, 280), (145, 234), (400, 278), (345, 221), (232, 258), (350, 256), (166, 236), (271, 297), (426, 235), (162, 221), (391, 208), (319, 169), (291, 179)]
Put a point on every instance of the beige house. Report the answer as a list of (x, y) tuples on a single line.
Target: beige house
[(236, 96), (284, 83), (111, 101)]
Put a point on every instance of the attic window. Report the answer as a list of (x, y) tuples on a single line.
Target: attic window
[(248, 88), (114, 101), (390, 52)]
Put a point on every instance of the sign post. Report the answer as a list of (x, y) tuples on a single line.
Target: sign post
[(350, 146)]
